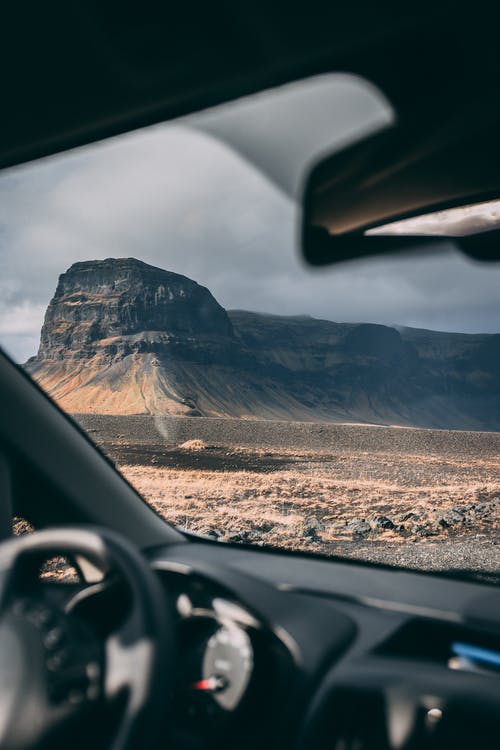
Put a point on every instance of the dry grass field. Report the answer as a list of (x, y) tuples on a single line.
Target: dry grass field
[(417, 497)]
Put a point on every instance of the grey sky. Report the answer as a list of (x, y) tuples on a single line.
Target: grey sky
[(174, 196)]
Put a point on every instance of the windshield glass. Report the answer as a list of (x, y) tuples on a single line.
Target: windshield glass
[(151, 284)]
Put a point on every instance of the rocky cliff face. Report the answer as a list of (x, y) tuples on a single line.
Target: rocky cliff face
[(122, 337), (372, 373), (105, 303), (119, 334)]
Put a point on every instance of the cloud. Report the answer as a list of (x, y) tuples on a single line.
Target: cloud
[(20, 328), (20, 319), (178, 198)]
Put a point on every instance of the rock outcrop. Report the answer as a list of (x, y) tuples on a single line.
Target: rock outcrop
[(123, 337), (116, 332), (372, 373), (99, 302)]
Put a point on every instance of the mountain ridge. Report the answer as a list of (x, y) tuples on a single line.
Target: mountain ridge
[(123, 337)]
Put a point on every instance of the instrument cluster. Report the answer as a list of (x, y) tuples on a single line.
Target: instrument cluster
[(231, 668)]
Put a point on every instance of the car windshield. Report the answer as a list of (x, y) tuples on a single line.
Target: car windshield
[(152, 285)]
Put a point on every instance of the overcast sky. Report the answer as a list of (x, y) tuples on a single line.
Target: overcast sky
[(178, 198)]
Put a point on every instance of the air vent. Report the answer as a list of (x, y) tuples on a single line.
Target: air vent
[(456, 647)]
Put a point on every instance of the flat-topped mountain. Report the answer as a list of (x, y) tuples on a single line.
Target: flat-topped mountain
[(123, 337), (96, 301)]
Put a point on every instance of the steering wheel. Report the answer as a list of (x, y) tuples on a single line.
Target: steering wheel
[(58, 676)]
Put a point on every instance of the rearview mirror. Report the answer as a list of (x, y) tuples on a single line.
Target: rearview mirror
[(391, 193)]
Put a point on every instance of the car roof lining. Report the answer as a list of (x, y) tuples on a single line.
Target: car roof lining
[(80, 71)]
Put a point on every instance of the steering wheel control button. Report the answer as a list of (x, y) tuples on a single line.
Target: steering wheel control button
[(93, 671), (35, 613), (57, 661), (70, 684), (40, 616), (76, 696), (53, 638)]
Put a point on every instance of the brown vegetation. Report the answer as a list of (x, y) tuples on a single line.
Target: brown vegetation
[(314, 502)]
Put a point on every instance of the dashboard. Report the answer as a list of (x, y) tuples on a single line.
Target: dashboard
[(355, 658), (312, 666)]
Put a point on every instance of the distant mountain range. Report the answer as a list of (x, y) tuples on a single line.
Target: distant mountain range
[(124, 337)]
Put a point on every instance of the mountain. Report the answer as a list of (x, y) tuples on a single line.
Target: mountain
[(123, 337)]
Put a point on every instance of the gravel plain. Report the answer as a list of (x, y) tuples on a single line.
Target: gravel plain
[(426, 499), (297, 436)]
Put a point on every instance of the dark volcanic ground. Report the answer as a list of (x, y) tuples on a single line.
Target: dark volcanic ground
[(169, 432), (212, 458)]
